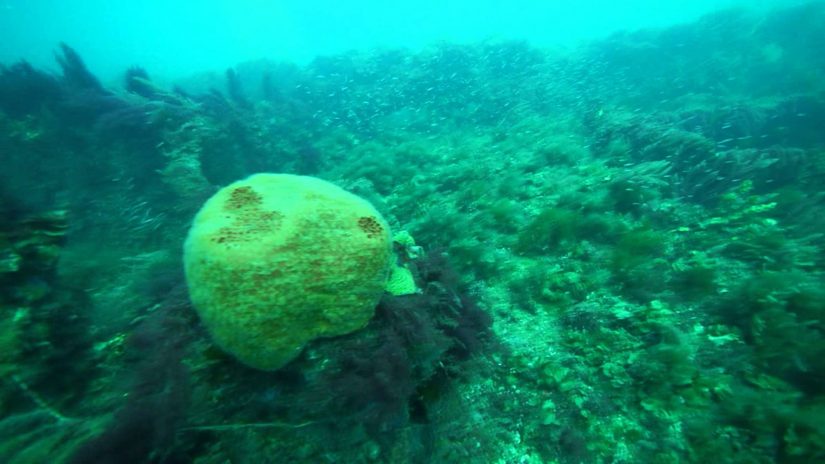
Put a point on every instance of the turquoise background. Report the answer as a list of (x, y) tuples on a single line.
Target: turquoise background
[(175, 38)]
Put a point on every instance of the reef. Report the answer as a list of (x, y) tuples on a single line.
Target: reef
[(617, 255)]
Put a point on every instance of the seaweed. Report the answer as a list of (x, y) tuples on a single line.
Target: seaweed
[(235, 89), (75, 74), (25, 90), (412, 340), (147, 427), (136, 80), (547, 231)]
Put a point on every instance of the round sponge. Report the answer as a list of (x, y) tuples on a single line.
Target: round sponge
[(276, 260)]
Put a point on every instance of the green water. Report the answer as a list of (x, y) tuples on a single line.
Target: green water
[(617, 238)]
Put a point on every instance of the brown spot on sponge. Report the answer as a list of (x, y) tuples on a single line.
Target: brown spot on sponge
[(247, 225), (370, 226), (242, 197)]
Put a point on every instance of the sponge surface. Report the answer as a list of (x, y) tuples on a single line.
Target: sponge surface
[(276, 260)]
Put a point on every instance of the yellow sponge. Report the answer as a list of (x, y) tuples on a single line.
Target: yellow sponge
[(276, 260)]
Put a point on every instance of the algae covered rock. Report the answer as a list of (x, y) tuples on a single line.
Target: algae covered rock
[(276, 260)]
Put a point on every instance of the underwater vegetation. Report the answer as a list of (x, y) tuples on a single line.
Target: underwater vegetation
[(618, 251)]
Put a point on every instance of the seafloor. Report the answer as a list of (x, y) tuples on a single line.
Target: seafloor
[(619, 248)]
